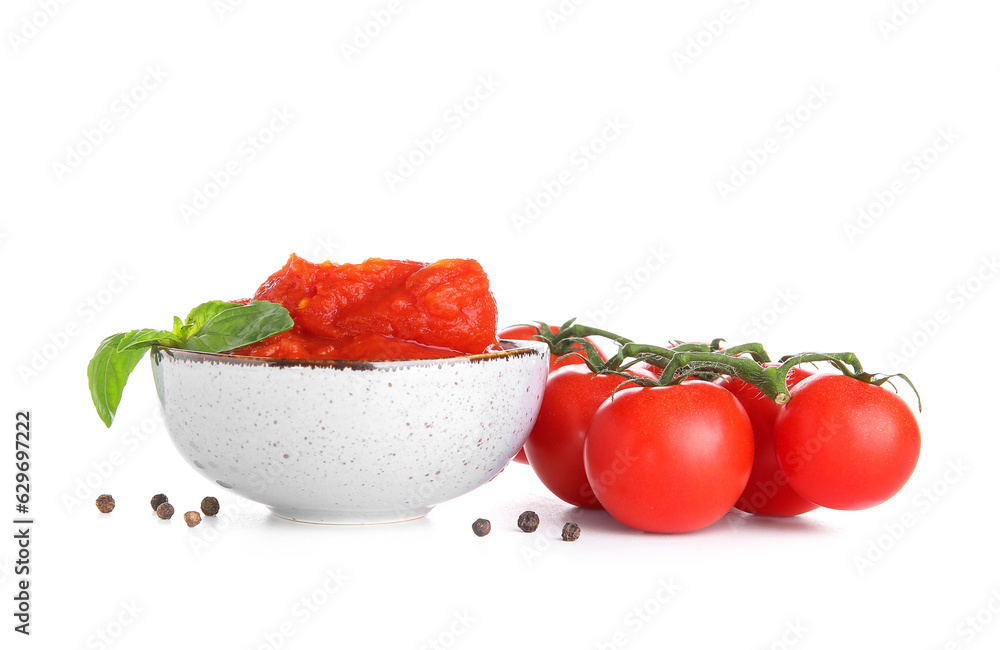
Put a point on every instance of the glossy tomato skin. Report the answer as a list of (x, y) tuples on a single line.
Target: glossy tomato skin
[(555, 445), (844, 443), (526, 333), (669, 459), (767, 492)]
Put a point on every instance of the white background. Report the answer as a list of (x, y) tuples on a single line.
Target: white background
[(881, 94)]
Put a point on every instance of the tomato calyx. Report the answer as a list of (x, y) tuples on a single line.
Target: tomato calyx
[(681, 361), (850, 365)]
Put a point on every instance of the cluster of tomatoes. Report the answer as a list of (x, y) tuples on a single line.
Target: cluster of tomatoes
[(675, 454)]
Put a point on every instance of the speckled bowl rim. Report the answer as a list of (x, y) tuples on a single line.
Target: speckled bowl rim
[(518, 349)]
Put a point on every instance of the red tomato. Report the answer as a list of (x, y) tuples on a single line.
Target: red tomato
[(555, 446), (767, 492), (525, 333), (650, 368), (844, 443), (669, 459)]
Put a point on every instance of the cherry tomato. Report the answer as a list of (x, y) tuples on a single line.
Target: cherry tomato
[(650, 368), (555, 445), (669, 459), (525, 333), (767, 492), (844, 443)]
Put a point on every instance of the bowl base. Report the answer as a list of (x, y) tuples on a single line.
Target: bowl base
[(349, 518)]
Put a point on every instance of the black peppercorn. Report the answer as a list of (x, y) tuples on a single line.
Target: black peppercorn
[(105, 503), (165, 511), (528, 521), (481, 527), (157, 500), (210, 506), (192, 519), (570, 532)]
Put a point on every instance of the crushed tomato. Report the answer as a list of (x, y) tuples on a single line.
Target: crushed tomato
[(380, 309)]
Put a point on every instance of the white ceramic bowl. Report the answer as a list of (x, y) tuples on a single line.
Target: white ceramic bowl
[(350, 442)]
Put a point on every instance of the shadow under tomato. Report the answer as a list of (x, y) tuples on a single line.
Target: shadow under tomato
[(597, 519), (734, 520), (801, 524)]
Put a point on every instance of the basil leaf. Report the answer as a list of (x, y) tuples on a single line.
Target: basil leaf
[(146, 338), (200, 315), (178, 327), (206, 311), (214, 326), (238, 326), (107, 373)]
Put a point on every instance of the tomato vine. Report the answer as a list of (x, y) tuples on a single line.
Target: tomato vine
[(682, 360)]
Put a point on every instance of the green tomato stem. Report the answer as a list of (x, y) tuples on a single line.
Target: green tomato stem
[(695, 359)]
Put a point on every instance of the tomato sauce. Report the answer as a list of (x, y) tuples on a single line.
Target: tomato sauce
[(380, 309)]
